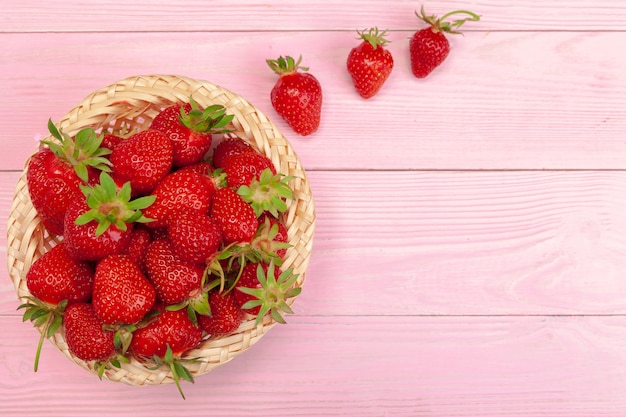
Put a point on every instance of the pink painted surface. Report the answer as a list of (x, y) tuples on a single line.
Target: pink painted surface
[(470, 249)]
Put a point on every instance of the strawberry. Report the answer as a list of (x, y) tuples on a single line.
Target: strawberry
[(225, 315), (110, 140), (54, 174), (242, 169), (175, 282), (228, 147), (190, 129), (55, 280), (101, 222), (55, 277), (429, 47), (169, 328), (195, 236), (296, 96), (237, 218), (260, 291), (121, 292), (183, 189), (269, 244), (165, 340), (85, 335), (370, 64), (140, 239), (143, 159), (203, 168)]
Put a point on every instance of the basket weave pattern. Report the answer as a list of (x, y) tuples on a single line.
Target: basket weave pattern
[(133, 103)]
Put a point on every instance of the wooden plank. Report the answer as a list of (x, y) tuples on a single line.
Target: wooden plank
[(359, 365), (537, 111), (259, 15), (461, 243)]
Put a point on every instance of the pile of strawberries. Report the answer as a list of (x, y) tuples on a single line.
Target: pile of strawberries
[(166, 239)]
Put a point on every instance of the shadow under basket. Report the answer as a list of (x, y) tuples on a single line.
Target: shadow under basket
[(130, 104)]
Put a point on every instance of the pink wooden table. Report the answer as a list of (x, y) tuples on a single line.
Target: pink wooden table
[(470, 250)]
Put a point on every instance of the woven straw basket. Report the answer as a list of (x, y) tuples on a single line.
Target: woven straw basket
[(133, 102)]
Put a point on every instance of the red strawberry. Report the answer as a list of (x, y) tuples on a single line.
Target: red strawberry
[(195, 236), (55, 277), (170, 328), (101, 222), (237, 218), (110, 141), (175, 281), (143, 159), (183, 189), (268, 245), (165, 340), (140, 239), (84, 334), (242, 169), (121, 292), (190, 129), (55, 173), (264, 288), (225, 315), (55, 280), (296, 96), (370, 64), (429, 47), (229, 147), (203, 168)]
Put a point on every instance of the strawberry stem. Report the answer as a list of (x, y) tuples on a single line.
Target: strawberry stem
[(439, 24), (213, 119), (44, 315), (82, 151), (458, 23), (374, 37), (286, 65), (44, 332)]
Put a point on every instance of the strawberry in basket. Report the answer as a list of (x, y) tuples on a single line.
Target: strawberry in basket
[(55, 173), (159, 242)]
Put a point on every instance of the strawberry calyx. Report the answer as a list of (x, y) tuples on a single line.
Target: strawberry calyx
[(441, 25), (122, 337), (263, 247), (373, 36), (176, 367), (116, 361), (46, 315), (286, 65), (82, 151), (213, 119), (110, 206), (274, 291), (198, 300), (267, 192)]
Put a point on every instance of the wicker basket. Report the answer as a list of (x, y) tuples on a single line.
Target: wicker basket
[(132, 103)]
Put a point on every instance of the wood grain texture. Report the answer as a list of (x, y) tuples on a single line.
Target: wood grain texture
[(458, 243), (567, 94), (470, 248), (366, 366), (299, 15)]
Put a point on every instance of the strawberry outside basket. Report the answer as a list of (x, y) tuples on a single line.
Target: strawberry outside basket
[(132, 103)]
